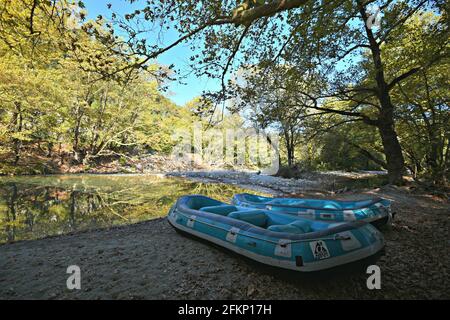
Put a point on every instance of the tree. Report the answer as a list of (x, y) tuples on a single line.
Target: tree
[(369, 95), (269, 104), (422, 99), (313, 33), (55, 89)]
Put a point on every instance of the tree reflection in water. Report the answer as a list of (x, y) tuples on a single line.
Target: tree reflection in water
[(40, 206)]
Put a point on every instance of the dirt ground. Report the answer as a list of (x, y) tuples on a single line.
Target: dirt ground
[(150, 260)]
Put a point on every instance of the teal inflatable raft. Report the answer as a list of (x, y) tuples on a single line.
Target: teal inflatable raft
[(276, 238), (376, 210)]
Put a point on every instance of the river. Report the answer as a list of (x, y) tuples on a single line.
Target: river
[(33, 207)]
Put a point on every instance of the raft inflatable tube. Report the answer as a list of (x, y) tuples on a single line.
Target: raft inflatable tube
[(376, 210), (276, 238)]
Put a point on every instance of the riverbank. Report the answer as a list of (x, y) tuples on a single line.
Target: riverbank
[(328, 182), (35, 164), (150, 260)]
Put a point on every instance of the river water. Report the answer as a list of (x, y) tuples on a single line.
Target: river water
[(33, 207)]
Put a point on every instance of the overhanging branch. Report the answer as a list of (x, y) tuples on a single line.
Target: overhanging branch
[(369, 155), (246, 17)]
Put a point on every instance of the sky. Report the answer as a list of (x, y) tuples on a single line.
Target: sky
[(179, 55), (191, 86)]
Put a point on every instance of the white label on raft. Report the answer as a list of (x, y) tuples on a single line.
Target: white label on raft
[(351, 243), (319, 249), (190, 222), (269, 207), (349, 215), (308, 212), (283, 248), (232, 234), (376, 234), (381, 210)]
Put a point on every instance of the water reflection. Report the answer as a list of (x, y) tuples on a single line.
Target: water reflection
[(35, 207)]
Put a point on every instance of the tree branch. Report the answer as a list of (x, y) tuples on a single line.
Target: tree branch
[(32, 12), (415, 70), (401, 21), (245, 18), (229, 61), (335, 125), (350, 50), (266, 10), (359, 115), (369, 155)]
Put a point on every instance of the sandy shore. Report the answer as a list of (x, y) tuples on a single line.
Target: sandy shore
[(151, 261)]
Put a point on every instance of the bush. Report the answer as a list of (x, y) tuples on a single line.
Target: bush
[(289, 172)]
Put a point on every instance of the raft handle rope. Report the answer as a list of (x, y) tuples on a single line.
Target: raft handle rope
[(284, 244)]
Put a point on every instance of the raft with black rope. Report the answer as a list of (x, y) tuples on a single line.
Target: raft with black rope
[(276, 238)]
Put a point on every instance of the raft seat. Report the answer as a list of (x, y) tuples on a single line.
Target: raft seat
[(297, 227), (302, 225), (285, 228), (223, 210), (255, 217)]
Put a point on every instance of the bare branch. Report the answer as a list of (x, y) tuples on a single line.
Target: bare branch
[(369, 155), (350, 50), (335, 125), (359, 115), (32, 12)]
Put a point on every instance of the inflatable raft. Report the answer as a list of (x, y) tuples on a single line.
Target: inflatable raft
[(276, 238), (376, 210)]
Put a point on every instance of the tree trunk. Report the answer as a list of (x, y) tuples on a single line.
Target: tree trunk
[(61, 155), (73, 209), (18, 123), (395, 162), (290, 156), (385, 123), (76, 136), (12, 214), (49, 149), (394, 157), (289, 148)]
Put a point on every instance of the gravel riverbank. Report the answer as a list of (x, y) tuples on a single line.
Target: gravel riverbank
[(329, 182)]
